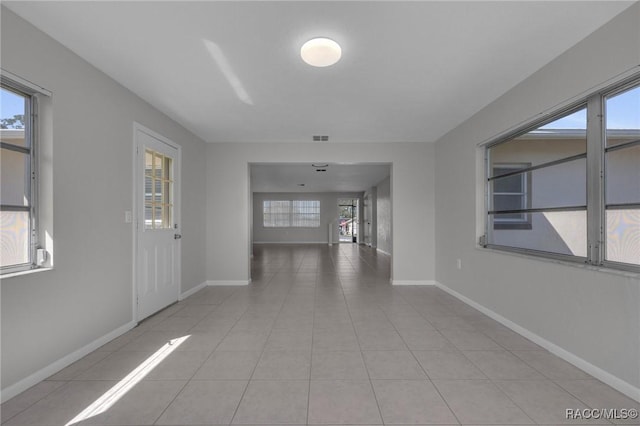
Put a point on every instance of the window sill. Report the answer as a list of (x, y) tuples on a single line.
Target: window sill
[(21, 273), (583, 266)]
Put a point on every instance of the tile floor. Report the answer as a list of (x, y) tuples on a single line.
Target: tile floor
[(319, 337)]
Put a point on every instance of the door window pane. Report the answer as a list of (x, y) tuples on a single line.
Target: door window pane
[(158, 190), (148, 216)]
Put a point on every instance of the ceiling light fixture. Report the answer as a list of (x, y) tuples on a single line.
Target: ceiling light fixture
[(321, 52), (320, 165)]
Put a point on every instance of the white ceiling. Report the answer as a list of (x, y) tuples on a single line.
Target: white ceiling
[(231, 71), (337, 178)]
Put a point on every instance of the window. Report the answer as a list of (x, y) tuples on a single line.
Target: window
[(511, 192), (306, 214), (287, 214), (569, 187), (18, 235), (622, 176), (158, 191), (276, 214)]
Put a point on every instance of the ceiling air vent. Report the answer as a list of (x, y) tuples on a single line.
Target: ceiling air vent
[(322, 138)]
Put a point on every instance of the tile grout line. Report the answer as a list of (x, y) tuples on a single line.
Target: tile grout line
[(375, 397), (235, 412), (420, 365), (197, 369)]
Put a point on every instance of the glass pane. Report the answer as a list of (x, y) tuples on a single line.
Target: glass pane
[(148, 217), (167, 193), (563, 185), (509, 202), (14, 175), (306, 213), (157, 217), (166, 219), (157, 162), (623, 117), (511, 184), (12, 113), (553, 232), (157, 191), (148, 162), (276, 213), (148, 189), (562, 138), (623, 236), (14, 238), (167, 168), (623, 175)]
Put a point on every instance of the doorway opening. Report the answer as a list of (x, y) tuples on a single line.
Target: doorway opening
[(348, 220)]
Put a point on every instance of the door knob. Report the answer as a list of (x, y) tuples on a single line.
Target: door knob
[(177, 236)]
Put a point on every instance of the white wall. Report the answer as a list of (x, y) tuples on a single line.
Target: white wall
[(592, 315), (48, 315), (412, 184), (328, 213), (384, 237)]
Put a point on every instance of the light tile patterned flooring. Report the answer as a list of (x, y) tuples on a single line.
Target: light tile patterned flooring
[(320, 337)]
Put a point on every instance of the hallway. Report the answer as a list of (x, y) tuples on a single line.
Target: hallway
[(319, 337)]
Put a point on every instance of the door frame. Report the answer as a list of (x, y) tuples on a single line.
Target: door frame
[(355, 215), (177, 207)]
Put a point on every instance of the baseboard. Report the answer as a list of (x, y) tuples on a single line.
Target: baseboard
[(413, 282), (51, 369), (228, 282), (192, 291), (626, 388), (382, 251)]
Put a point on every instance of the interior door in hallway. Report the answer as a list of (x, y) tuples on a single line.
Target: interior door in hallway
[(158, 232)]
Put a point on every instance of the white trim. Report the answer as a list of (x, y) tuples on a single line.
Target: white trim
[(28, 272), (413, 282), (228, 282), (383, 252), (45, 372), (615, 382), (26, 83), (192, 291)]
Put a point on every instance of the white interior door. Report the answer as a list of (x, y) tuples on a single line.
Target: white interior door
[(157, 222)]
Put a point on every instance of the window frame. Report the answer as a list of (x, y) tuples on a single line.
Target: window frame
[(30, 149), (631, 84), (596, 149), (525, 221)]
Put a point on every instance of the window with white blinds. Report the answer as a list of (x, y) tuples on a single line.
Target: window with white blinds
[(291, 214)]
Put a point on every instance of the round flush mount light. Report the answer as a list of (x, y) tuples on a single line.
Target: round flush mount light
[(321, 52)]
